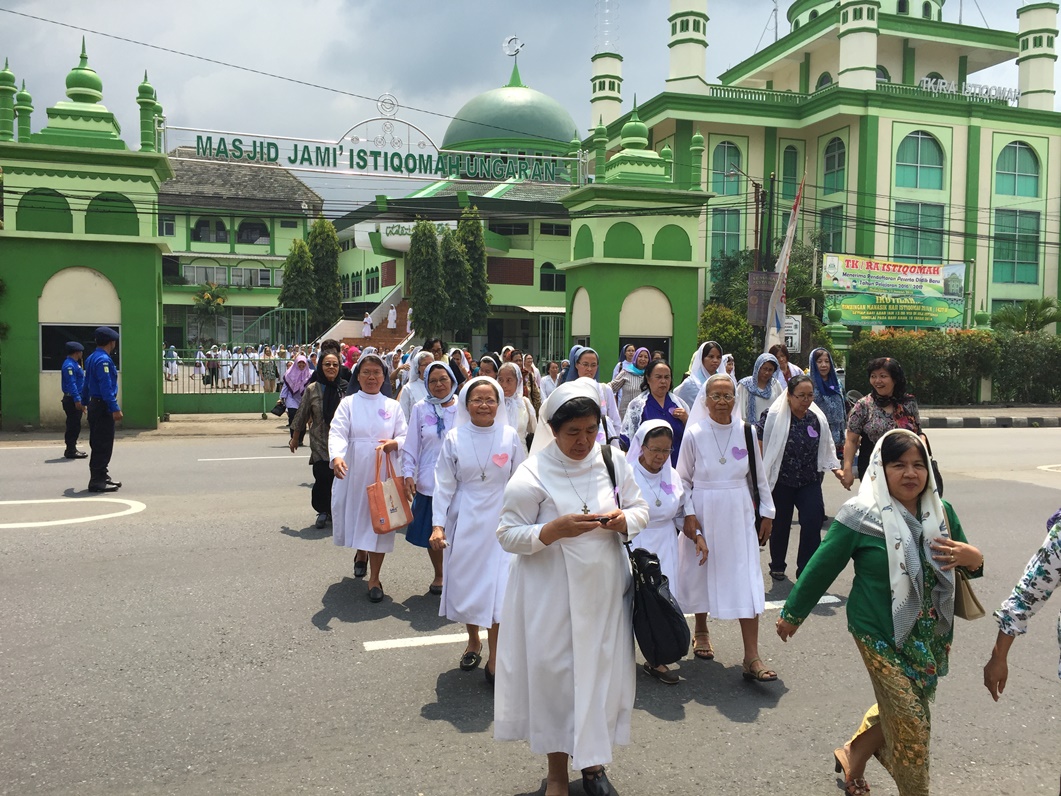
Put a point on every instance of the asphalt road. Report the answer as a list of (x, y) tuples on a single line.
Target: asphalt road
[(210, 641)]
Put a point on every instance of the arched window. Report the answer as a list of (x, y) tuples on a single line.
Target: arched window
[(933, 76), (1017, 171), (919, 162), (725, 160), (252, 230), (882, 75), (111, 214), (210, 230), (789, 167), (44, 210), (824, 79), (813, 14), (903, 7), (550, 280), (835, 166), (926, 10)]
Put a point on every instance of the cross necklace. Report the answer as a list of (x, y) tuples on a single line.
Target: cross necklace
[(721, 453), (585, 507), (475, 450)]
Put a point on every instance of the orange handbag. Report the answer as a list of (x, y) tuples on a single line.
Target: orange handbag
[(387, 505)]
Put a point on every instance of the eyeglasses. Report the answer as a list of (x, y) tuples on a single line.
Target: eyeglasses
[(482, 402), (659, 451), (804, 397), (719, 398), (433, 382), (330, 365)]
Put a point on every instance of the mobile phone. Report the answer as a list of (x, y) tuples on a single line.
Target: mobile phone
[(604, 520)]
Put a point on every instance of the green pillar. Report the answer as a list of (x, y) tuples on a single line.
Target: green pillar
[(145, 98), (909, 64), (696, 158), (866, 212), (24, 111), (600, 150), (7, 103)]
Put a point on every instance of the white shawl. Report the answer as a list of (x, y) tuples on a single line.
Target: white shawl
[(775, 439)]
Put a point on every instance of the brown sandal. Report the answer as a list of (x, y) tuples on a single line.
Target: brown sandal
[(704, 651), (852, 787), (762, 675)]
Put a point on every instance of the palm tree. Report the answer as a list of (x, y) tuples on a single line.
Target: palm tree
[(1027, 316)]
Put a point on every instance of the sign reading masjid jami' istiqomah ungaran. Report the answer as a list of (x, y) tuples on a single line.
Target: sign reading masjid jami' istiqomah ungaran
[(871, 292)]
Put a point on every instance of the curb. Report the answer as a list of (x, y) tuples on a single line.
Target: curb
[(990, 422)]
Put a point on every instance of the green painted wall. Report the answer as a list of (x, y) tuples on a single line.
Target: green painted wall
[(135, 270)]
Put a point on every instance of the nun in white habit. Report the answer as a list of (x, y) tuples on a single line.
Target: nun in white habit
[(364, 423), (476, 461), (415, 390), (565, 668), (392, 317), (518, 410)]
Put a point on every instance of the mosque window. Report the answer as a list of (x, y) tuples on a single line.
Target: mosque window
[(252, 231), (203, 274), (673, 28), (725, 234), (835, 166), (871, 14), (824, 79), (1017, 171), (167, 225), (843, 18), (1016, 255), (934, 76), (789, 167), (1049, 41), (882, 75), (611, 85), (814, 14), (926, 10), (210, 230), (696, 26), (832, 227), (795, 25), (1037, 41), (918, 232), (857, 13), (111, 214), (725, 160), (919, 162), (560, 230), (550, 280), (684, 26), (356, 285), (903, 7), (288, 223), (1023, 44)]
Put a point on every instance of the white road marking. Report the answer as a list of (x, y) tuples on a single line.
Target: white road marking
[(1050, 468), (456, 638), (57, 446), (252, 458), (131, 507)]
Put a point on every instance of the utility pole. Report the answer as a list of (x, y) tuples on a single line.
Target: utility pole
[(770, 222), (758, 189)]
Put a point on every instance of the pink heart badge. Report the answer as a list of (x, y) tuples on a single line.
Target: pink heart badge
[(739, 453), (600, 437), (500, 459), (667, 487), (811, 432), (384, 414)]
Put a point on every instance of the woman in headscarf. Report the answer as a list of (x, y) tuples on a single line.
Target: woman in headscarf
[(458, 367), (887, 406), (626, 356), (292, 391), (224, 358), (565, 666), (785, 369), (726, 367), (250, 365), (705, 362), (392, 317), (650, 456), (415, 389), (905, 543), (828, 396), (489, 366), (549, 380), (476, 461), (627, 384), (797, 449), (757, 392), (170, 363), (269, 369), (319, 402), (716, 464), (531, 388), (366, 326), (518, 411), (584, 365), (352, 353), (365, 423), (429, 421), (199, 368), (657, 402)]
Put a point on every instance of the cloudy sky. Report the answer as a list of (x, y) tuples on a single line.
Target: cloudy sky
[(433, 55)]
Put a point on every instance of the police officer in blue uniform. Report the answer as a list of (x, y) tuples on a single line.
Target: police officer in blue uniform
[(73, 386), (101, 388)]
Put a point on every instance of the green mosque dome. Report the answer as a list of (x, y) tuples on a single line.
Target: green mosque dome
[(83, 84), (23, 97), (7, 77), (145, 91), (511, 116)]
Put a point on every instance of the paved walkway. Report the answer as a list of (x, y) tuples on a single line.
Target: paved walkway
[(240, 425)]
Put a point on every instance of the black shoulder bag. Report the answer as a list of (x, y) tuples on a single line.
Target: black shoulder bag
[(753, 478), (659, 624)]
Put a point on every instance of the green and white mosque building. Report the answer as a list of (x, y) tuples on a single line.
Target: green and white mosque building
[(596, 231)]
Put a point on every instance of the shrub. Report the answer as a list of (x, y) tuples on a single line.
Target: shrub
[(943, 368), (1029, 370)]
